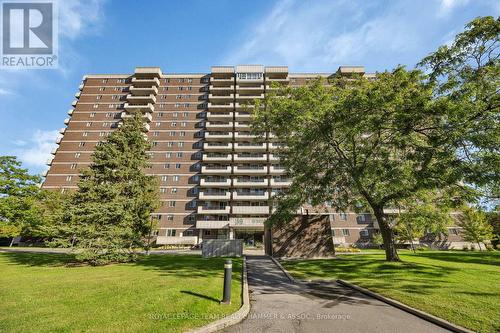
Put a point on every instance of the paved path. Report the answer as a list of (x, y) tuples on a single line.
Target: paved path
[(280, 306)]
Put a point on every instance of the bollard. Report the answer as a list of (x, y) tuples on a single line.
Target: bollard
[(228, 269)]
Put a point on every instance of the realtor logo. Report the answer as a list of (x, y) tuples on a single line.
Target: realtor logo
[(29, 34)]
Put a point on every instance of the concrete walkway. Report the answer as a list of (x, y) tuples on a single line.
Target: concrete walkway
[(280, 306)]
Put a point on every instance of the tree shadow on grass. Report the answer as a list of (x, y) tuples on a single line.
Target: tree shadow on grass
[(39, 259), (485, 258)]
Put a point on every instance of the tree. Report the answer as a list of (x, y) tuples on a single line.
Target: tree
[(18, 197), (377, 239), (467, 72), (475, 227), (359, 141), (426, 213), (110, 213)]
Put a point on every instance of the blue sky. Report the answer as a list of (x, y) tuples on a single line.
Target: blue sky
[(190, 36)]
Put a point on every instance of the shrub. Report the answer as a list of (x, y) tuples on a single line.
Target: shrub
[(489, 247), (473, 247), (498, 246), (465, 247)]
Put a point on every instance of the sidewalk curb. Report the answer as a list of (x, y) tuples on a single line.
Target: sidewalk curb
[(424, 315), (233, 318), (283, 269)]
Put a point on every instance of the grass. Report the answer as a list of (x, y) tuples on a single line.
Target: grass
[(460, 287), (41, 293)]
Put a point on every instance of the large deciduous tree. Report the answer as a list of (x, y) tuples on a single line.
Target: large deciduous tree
[(110, 213)]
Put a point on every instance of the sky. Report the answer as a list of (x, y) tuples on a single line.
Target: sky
[(189, 36)]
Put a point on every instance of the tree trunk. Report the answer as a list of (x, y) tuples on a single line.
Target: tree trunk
[(11, 241), (479, 244), (391, 253)]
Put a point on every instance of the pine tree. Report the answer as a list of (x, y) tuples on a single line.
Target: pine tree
[(110, 213)]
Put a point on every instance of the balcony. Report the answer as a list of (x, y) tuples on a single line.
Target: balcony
[(220, 106), (147, 72), (218, 136), (274, 158), (242, 115), (277, 170), (74, 103), (280, 79), (248, 97), (222, 81), (215, 88), (216, 158), (217, 146), (148, 107), (276, 145), (53, 151), (141, 99), (66, 121), (49, 161), (246, 106), (80, 87), (242, 125), (143, 82), (58, 140), (211, 125), (70, 112), (280, 183), (250, 157), (146, 116), (78, 94), (222, 98), (250, 209), (206, 195), (219, 116), (250, 196), (136, 91), (207, 182), (250, 170), (245, 136), (249, 146), (253, 82), (213, 210), (215, 170), (62, 130), (258, 88), (211, 224), (250, 182)]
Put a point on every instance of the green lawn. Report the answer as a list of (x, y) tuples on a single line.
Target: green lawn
[(40, 293), (461, 287)]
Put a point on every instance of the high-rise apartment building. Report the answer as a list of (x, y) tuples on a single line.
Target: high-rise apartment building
[(215, 179)]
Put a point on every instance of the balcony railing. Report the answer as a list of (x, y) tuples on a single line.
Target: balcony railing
[(138, 99), (218, 135), (280, 183), (242, 115), (242, 170), (250, 158), (216, 158), (250, 209), (250, 196), (250, 182), (215, 170), (146, 116), (204, 195), (215, 183), (249, 146), (210, 125), (276, 170), (143, 82), (223, 88), (220, 106), (213, 210), (136, 91), (217, 146), (219, 116), (148, 107)]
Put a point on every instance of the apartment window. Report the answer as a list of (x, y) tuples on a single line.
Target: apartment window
[(68, 178), (168, 155), (170, 144), (88, 124), (163, 190), (183, 124), (85, 134), (155, 143), (98, 97), (179, 155), (101, 89), (176, 178), (173, 124), (188, 232), (81, 144), (164, 178), (180, 144), (117, 89), (170, 217), (178, 166), (176, 105), (343, 216), (185, 114), (171, 232), (95, 106), (171, 133), (333, 233), (453, 231), (160, 114), (361, 218), (196, 178), (173, 190), (73, 166), (120, 81), (166, 166), (156, 133), (114, 97), (175, 114), (105, 124), (157, 124), (102, 133), (178, 96), (108, 114), (105, 81), (206, 232), (182, 133), (171, 204), (64, 190), (364, 233), (167, 80), (345, 232)]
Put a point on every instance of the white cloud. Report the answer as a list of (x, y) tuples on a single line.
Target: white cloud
[(447, 6), (37, 149), (5, 92), (79, 17)]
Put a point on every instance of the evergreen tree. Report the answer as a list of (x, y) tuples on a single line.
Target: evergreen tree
[(110, 213)]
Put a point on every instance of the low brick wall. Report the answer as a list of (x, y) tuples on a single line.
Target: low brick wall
[(304, 237)]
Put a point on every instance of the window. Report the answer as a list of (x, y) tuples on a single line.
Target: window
[(173, 124), (163, 190), (81, 144), (343, 216), (206, 232), (95, 106), (170, 217), (73, 166), (345, 232), (88, 124), (171, 204), (182, 133), (102, 133), (98, 97), (188, 232), (453, 231), (68, 178), (171, 232), (166, 166), (175, 114), (176, 178), (178, 166), (172, 133), (179, 155), (164, 178), (105, 81), (77, 155), (108, 114), (170, 144), (156, 133), (101, 89), (333, 233), (155, 143), (157, 124), (361, 218), (180, 144), (364, 233), (105, 124), (168, 155), (185, 114), (183, 124), (85, 134)]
